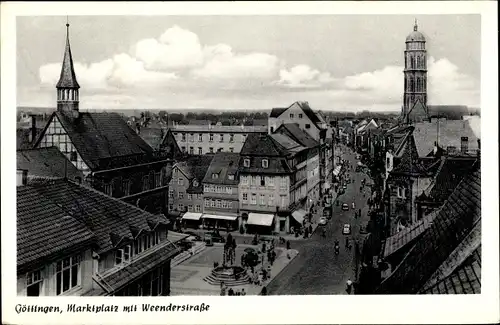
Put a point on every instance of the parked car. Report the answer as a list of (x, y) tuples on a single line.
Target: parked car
[(346, 230), (322, 221), (345, 207)]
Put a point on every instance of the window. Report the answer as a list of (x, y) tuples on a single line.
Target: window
[(67, 274), (231, 149), (191, 137), (190, 196), (254, 199), (262, 181), (190, 208), (283, 201), (283, 182), (200, 137), (218, 204), (272, 129), (183, 136), (265, 163), (224, 204), (191, 150), (230, 177), (229, 190), (211, 137), (245, 197), (108, 189), (181, 207), (271, 200), (34, 282), (197, 208), (157, 179), (174, 171), (199, 196), (170, 207), (156, 238), (308, 126), (207, 203), (212, 203), (170, 193), (220, 150), (291, 115), (221, 137), (215, 176), (231, 138), (270, 181), (73, 156), (300, 115), (211, 150), (183, 149), (200, 151), (262, 200), (126, 187), (246, 162), (244, 180), (180, 181), (181, 195), (122, 255), (145, 183)]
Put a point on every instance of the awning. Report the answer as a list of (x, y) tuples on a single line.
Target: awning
[(336, 172), (260, 219), (191, 216), (299, 215), (219, 217)]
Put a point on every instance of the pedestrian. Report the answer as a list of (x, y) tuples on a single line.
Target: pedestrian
[(348, 286), (243, 293), (263, 291), (222, 289), (287, 244), (230, 292)]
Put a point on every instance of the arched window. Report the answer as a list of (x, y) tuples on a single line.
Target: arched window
[(412, 62), (412, 85), (418, 62)]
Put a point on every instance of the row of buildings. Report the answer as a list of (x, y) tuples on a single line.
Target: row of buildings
[(259, 180), (425, 227)]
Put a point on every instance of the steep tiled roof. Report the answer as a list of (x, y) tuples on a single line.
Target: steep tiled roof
[(105, 216), (297, 134), (451, 172), (287, 143), (454, 222), (259, 147), (46, 162), (277, 111), (223, 164), (45, 229), (409, 163), (195, 167), (102, 135), (450, 133)]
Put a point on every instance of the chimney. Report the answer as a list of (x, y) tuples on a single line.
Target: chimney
[(435, 148), (464, 144), (32, 134), (22, 177)]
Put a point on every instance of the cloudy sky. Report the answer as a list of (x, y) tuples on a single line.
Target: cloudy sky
[(344, 62)]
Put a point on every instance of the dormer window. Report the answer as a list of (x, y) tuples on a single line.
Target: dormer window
[(265, 163), (215, 176), (230, 177), (246, 162)]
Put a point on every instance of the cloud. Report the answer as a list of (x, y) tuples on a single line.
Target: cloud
[(303, 76)]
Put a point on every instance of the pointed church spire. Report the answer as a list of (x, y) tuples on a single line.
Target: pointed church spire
[(68, 77)]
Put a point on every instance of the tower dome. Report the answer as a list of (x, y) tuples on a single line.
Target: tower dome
[(415, 36)]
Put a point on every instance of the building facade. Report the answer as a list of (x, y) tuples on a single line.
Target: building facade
[(220, 192), (209, 139)]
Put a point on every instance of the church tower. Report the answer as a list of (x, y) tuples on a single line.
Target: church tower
[(415, 78), (68, 88)]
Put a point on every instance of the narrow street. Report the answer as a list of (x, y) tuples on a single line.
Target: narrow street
[(317, 270)]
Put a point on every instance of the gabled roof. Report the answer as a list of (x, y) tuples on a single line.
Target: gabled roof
[(67, 78), (260, 145), (409, 163), (450, 133), (101, 135), (300, 136), (304, 106), (109, 219), (287, 144), (456, 219), (223, 164), (46, 162)]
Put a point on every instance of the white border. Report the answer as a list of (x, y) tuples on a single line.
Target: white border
[(284, 309)]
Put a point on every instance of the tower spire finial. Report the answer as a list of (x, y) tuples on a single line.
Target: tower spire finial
[(415, 27)]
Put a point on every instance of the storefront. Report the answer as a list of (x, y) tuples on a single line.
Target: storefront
[(222, 222), (260, 223), (191, 220)]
